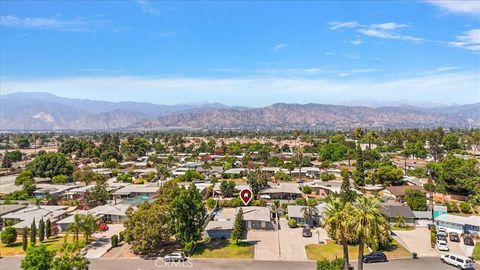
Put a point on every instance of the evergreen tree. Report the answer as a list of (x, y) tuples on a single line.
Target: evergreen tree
[(360, 169), (24, 238), (41, 230), (48, 228), (347, 194), (238, 226), (33, 233)]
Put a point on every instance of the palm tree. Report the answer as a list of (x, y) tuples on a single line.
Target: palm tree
[(89, 227), (337, 224), (309, 211), (76, 225), (370, 226)]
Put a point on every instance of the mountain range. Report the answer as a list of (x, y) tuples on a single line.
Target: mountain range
[(35, 111)]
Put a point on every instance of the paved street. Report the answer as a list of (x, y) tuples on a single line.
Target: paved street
[(13, 263)]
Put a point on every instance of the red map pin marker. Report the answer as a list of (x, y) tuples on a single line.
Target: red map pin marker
[(246, 195)]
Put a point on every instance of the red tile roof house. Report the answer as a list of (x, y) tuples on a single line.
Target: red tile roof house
[(398, 192)]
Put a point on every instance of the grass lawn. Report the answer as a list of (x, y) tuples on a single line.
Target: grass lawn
[(223, 249), (332, 250), (54, 243), (476, 252)]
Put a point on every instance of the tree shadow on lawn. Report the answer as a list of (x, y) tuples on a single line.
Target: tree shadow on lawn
[(219, 244)]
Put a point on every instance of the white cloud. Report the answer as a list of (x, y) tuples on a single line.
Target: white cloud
[(147, 8), (383, 30), (458, 6), (279, 46), (329, 53), (442, 69), (353, 56), (469, 40), (459, 87), (338, 25), (356, 42), (79, 24)]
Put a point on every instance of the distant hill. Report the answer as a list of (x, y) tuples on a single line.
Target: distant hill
[(43, 111)]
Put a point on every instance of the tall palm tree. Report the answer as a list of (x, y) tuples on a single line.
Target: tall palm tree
[(76, 225), (89, 227), (338, 225), (370, 226)]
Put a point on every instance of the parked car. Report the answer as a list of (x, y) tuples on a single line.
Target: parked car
[(176, 256), (468, 240), (459, 261), (454, 237), (442, 245), (306, 232), (442, 237), (441, 229), (375, 257)]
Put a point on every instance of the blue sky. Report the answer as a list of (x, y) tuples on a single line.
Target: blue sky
[(243, 53)]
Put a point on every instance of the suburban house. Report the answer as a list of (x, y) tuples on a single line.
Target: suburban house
[(235, 172), (217, 192), (8, 208), (108, 213), (221, 225), (470, 224), (439, 210), (398, 192), (281, 191), (257, 218), (24, 217), (132, 191), (48, 189), (321, 189), (297, 212), (393, 212)]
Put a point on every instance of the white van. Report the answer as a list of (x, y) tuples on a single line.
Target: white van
[(459, 261)]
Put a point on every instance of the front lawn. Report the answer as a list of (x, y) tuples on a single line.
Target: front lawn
[(333, 250), (54, 243), (223, 249), (476, 252)]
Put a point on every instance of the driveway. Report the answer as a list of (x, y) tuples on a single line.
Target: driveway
[(292, 243), (266, 244), (417, 240), (102, 244)]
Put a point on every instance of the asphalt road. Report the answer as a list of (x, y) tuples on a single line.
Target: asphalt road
[(13, 263)]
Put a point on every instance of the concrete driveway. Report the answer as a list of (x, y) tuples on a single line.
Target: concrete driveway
[(102, 244), (417, 240), (292, 243), (266, 244)]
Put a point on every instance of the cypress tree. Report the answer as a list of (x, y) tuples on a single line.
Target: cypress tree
[(24, 238), (41, 230), (238, 226), (360, 177), (33, 233), (48, 228)]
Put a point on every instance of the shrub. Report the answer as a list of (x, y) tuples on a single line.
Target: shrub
[(300, 201), (114, 240), (9, 236), (325, 264), (306, 189), (292, 223), (120, 236), (465, 207), (60, 179), (210, 203)]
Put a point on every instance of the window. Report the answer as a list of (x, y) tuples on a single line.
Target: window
[(459, 260)]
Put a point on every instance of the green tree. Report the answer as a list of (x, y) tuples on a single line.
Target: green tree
[(33, 233), (359, 175), (124, 178), (388, 175), (48, 228), (238, 226), (37, 258), (41, 230), (50, 165), (98, 195), (88, 226), (146, 228), (14, 155), (450, 142), (257, 181), (24, 238), (191, 175), (347, 194), (8, 235), (76, 226), (416, 199), (187, 214), (337, 226), (60, 179), (25, 175), (227, 188), (370, 225), (335, 264), (71, 259)]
